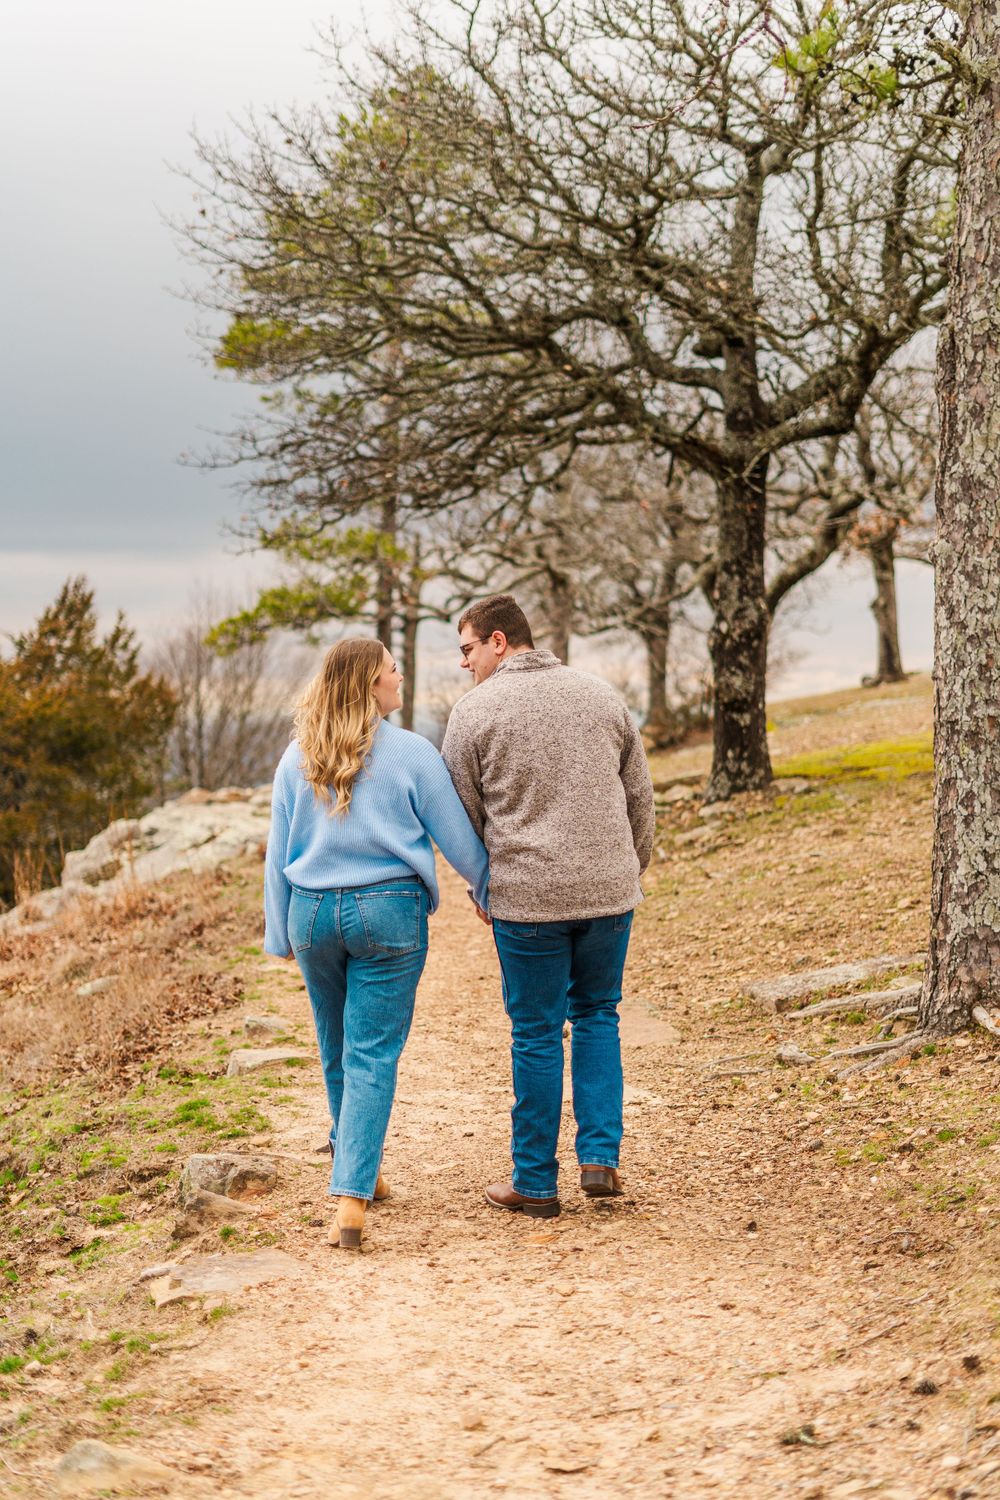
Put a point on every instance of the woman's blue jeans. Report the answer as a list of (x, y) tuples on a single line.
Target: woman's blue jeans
[(361, 951), (554, 972)]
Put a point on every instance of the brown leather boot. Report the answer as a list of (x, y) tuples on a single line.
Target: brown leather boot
[(505, 1195), (381, 1192), (346, 1232), (600, 1182)]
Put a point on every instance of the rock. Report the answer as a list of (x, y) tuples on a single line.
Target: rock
[(633, 1095), (250, 1059), (667, 783), (264, 1026), (207, 1275), (716, 810), (91, 1467), (226, 1174), (787, 991), (103, 857), (677, 794), (204, 1209), (791, 1053), (95, 987), (160, 1269), (790, 786), (694, 836), (34, 1368), (195, 832)]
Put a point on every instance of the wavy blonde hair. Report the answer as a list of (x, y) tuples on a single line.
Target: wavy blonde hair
[(336, 719)]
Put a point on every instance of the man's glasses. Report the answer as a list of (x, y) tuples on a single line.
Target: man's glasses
[(469, 645)]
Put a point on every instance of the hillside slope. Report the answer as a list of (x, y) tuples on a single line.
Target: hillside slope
[(796, 1295)]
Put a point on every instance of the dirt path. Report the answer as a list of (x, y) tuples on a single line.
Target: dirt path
[(662, 1345)]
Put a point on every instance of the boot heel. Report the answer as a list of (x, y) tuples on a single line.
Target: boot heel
[(549, 1210), (346, 1233), (597, 1182)]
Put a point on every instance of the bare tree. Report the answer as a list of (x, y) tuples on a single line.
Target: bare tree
[(234, 710), (648, 223)]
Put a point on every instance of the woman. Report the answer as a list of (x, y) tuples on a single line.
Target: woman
[(349, 883)]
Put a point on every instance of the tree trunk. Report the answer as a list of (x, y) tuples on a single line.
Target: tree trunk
[(559, 613), (890, 661), (963, 965), (385, 582), (737, 642), (410, 601), (659, 728)]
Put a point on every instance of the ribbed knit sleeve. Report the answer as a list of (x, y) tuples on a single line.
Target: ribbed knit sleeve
[(277, 891), (441, 811)]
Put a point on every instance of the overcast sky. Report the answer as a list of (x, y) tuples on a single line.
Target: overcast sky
[(103, 386)]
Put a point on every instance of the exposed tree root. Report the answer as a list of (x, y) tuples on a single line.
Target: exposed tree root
[(986, 1021), (872, 1001), (902, 1048)]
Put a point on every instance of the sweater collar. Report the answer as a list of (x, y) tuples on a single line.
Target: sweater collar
[(528, 661)]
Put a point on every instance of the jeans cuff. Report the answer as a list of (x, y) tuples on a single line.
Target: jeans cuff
[(536, 1197), (594, 1161), (350, 1193)]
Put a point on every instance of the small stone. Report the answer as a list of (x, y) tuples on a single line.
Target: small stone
[(678, 794), (252, 1059), (264, 1026), (792, 1055), (816, 1145), (162, 1268), (34, 1368), (95, 987), (91, 1467)]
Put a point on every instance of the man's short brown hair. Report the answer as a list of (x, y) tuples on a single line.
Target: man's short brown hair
[(499, 612)]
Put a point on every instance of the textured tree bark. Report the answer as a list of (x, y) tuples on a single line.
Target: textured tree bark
[(659, 726), (410, 613), (558, 623), (385, 581), (737, 642), (963, 968), (890, 660)]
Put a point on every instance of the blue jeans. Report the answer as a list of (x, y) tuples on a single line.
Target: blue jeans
[(361, 951), (553, 972)]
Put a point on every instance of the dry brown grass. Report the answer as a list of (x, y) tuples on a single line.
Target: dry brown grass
[(166, 951)]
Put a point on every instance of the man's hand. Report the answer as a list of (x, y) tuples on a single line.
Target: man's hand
[(484, 916)]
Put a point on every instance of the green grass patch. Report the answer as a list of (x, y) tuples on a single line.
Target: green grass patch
[(883, 760), (11, 1363)]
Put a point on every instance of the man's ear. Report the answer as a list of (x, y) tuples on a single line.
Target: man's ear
[(499, 641)]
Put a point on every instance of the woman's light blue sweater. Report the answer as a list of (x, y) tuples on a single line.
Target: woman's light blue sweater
[(400, 801)]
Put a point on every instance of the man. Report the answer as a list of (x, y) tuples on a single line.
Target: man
[(550, 767)]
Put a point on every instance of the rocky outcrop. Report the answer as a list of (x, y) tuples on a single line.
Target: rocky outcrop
[(195, 832)]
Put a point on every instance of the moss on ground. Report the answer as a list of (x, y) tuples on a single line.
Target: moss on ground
[(882, 760)]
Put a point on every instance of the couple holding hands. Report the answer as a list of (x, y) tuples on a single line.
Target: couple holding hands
[(541, 799)]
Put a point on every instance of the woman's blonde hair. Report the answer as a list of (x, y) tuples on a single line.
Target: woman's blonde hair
[(336, 719)]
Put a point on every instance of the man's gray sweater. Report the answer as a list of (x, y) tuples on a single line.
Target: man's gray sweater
[(552, 772)]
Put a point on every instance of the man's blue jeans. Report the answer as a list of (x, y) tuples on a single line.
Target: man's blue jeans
[(553, 972), (361, 951)]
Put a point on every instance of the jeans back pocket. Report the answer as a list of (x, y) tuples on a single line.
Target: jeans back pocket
[(302, 910), (391, 919)]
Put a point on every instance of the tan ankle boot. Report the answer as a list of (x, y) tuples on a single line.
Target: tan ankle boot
[(381, 1190), (346, 1232)]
